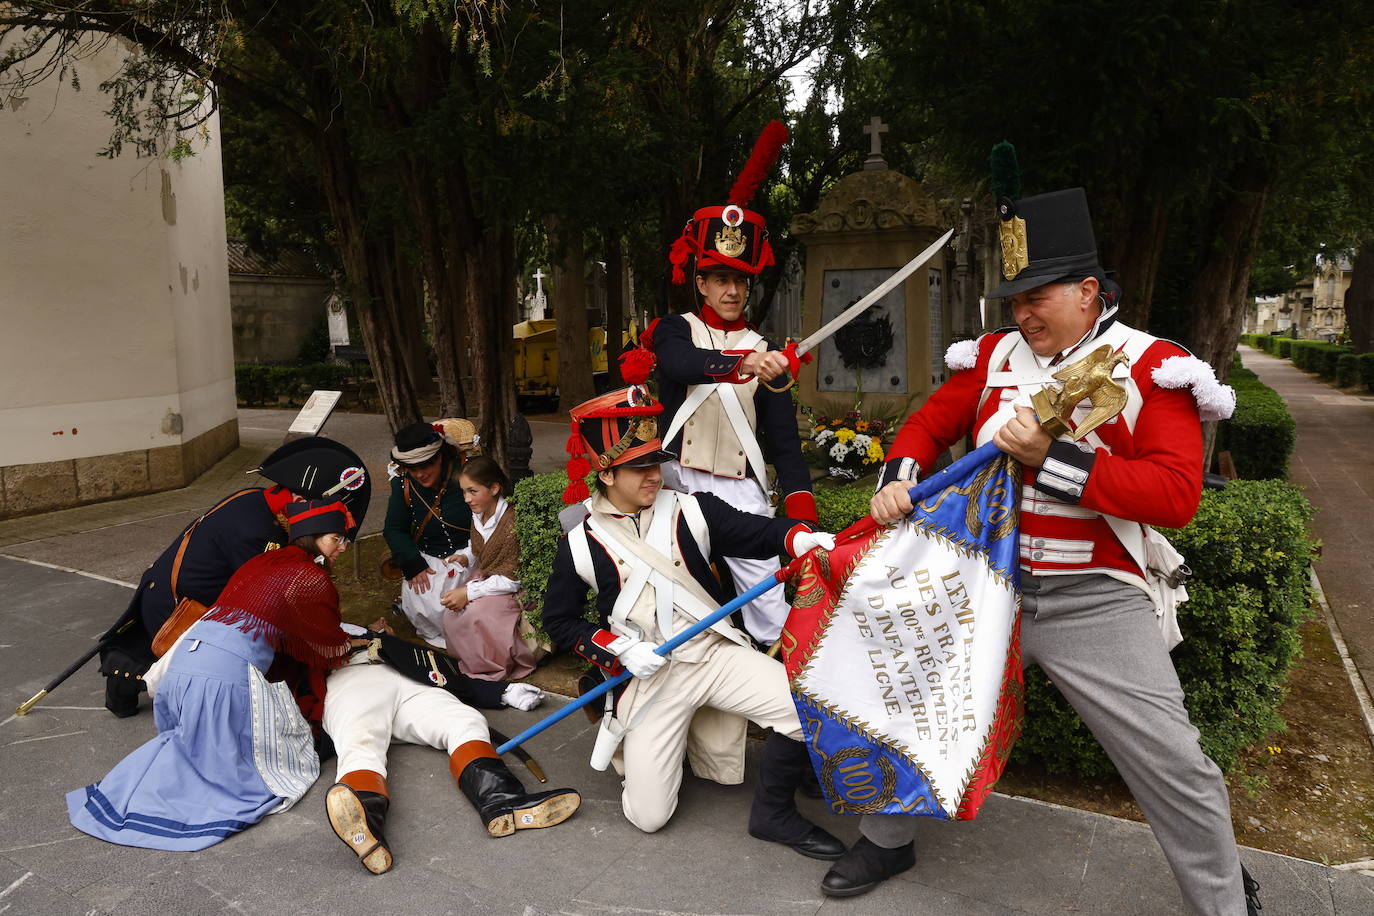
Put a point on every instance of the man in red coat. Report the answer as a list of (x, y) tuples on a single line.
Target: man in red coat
[(1092, 615)]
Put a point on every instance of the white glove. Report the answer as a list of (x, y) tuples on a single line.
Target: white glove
[(809, 539), (522, 696), (637, 656)]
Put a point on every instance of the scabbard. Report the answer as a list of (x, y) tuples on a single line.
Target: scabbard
[(520, 753)]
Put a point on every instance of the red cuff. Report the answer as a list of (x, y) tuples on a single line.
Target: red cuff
[(801, 506), (597, 651), (734, 376), (792, 536)]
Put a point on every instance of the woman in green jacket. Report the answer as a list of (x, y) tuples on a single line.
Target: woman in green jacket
[(427, 524)]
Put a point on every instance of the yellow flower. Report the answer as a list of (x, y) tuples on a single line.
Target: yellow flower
[(875, 452), (845, 435)]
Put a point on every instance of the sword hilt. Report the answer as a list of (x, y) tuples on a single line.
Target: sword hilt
[(794, 364)]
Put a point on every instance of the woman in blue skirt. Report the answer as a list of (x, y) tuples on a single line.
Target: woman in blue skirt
[(236, 704)]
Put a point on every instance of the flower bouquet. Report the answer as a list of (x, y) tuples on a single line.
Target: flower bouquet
[(848, 446)]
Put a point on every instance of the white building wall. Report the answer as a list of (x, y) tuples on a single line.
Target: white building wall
[(114, 292)]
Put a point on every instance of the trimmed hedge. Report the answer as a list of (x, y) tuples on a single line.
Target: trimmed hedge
[(1366, 362), (1249, 551), (1261, 433), (1317, 356), (269, 386), (1283, 347)]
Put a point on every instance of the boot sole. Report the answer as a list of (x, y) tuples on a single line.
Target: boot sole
[(547, 813), (349, 820)]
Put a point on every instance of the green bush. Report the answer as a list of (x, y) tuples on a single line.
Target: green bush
[(1317, 356), (1367, 369), (1283, 347), (1249, 551), (1348, 370), (537, 500), (267, 386), (838, 507), (1261, 433)]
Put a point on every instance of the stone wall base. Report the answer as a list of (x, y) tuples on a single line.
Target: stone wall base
[(27, 489)]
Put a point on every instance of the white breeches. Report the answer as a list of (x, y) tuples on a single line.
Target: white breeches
[(732, 678), (366, 707)]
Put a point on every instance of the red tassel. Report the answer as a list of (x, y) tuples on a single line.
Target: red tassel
[(576, 492), (678, 255), (636, 364), (765, 255), (574, 444), (578, 468), (761, 160)]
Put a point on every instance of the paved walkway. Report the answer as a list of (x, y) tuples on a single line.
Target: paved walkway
[(1020, 856), (1334, 462)]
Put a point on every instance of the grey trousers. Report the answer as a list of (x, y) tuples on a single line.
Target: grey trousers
[(1099, 642)]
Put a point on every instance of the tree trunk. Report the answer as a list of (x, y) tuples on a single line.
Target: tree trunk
[(1136, 232), (366, 280), (575, 383), (410, 318), (490, 276), (1218, 296), (1359, 300), (615, 307)]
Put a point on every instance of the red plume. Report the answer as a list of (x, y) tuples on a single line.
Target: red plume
[(761, 160)]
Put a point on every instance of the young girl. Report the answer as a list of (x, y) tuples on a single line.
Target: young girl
[(235, 702), (482, 616)]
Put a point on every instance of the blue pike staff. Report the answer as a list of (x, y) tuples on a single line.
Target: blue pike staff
[(925, 488)]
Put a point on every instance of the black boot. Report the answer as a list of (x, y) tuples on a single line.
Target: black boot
[(865, 866), (774, 815), (1252, 904), (121, 696), (499, 797), (358, 815)]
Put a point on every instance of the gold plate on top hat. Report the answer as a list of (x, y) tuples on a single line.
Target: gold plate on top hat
[(1090, 377), (1015, 254), (730, 241)]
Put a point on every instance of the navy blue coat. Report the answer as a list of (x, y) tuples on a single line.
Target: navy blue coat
[(682, 363)]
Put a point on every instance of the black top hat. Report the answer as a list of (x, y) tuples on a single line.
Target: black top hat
[(1045, 238), (318, 468)]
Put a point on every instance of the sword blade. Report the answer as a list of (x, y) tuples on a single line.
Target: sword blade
[(849, 314)]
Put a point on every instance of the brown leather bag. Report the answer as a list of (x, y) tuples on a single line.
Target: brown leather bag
[(187, 610)]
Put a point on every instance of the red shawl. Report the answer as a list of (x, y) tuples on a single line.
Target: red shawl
[(285, 599)]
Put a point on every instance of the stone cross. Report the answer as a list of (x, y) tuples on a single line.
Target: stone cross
[(539, 276), (875, 128)]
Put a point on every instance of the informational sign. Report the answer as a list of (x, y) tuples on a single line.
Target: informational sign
[(316, 410)]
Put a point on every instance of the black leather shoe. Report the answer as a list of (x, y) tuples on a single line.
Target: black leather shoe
[(504, 805), (865, 866), (1252, 904), (816, 844)]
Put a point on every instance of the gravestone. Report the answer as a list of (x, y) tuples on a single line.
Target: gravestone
[(891, 357)]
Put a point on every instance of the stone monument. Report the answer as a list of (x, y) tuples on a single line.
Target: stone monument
[(889, 359)]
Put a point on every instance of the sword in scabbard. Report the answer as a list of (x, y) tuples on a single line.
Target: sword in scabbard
[(520, 754), (119, 627), (798, 352)]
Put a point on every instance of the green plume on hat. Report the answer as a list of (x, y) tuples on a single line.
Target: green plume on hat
[(1006, 173)]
